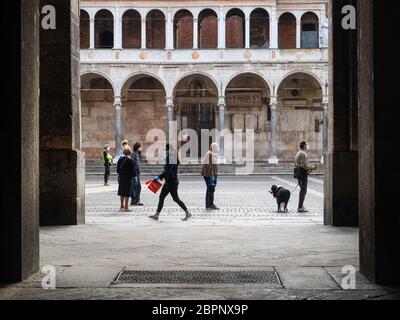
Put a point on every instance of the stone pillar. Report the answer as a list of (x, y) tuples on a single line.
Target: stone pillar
[(221, 29), (341, 179), (169, 30), (222, 106), (143, 38), (19, 203), (298, 34), (247, 33), (274, 154), (117, 30), (273, 29), (325, 129), (170, 117), (62, 165), (92, 33), (118, 123), (195, 33)]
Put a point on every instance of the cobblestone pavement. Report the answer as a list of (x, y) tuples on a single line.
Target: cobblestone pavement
[(241, 199)]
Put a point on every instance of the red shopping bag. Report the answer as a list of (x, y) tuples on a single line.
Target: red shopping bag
[(153, 185)]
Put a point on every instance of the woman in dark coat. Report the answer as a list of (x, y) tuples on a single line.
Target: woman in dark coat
[(126, 173)]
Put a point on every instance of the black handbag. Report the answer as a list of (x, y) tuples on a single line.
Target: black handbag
[(299, 172)]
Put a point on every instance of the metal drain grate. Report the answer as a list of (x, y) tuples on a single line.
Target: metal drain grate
[(198, 277)]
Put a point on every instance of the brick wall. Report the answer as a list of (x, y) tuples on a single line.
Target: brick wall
[(183, 32), (287, 32), (131, 30), (155, 31), (208, 32), (234, 32)]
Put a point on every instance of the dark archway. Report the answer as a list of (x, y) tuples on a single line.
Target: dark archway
[(309, 31), (235, 29), (259, 29), (208, 29), (131, 30), (287, 31), (84, 28), (183, 30), (104, 30), (155, 30)]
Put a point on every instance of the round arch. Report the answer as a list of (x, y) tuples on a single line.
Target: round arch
[(131, 29), (197, 73), (104, 29), (183, 29), (103, 75), (289, 74), (235, 28), (142, 74), (253, 73), (208, 29)]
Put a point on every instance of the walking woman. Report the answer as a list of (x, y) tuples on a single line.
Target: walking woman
[(170, 175), (137, 187), (210, 175), (126, 174), (107, 163)]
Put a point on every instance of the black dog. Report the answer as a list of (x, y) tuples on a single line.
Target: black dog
[(282, 197)]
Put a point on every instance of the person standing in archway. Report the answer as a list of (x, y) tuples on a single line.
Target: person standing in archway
[(126, 174), (107, 164), (210, 175), (137, 187), (170, 175), (305, 170)]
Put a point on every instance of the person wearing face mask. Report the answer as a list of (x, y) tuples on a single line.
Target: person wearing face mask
[(306, 169), (210, 175)]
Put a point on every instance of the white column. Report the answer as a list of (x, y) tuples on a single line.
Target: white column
[(325, 130), (273, 105), (247, 33), (170, 113), (298, 34), (92, 34), (117, 30), (118, 124), (195, 33), (169, 31), (143, 37), (221, 29), (273, 29), (221, 105)]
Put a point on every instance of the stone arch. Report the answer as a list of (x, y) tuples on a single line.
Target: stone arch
[(287, 28), (311, 74), (197, 73), (183, 29), (131, 29), (142, 74), (235, 29), (104, 29), (254, 73)]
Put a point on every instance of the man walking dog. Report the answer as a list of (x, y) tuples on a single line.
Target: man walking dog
[(302, 171)]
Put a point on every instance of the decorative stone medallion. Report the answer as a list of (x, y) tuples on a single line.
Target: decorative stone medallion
[(92, 55), (195, 55), (248, 55), (143, 55)]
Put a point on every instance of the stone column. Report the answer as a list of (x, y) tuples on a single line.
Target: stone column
[(170, 117), (325, 130), (221, 29), (62, 165), (169, 30), (118, 123), (274, 156), (143, 38), (19, 197), (222, 106), (298, 34), (117, 30), (92, 34), (247, 33), (195, 33), (273, 29)]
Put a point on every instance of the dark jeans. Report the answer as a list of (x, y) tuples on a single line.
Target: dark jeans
[(170, 187), (136, 190), (106, 172), (209, 194), (303, 183)]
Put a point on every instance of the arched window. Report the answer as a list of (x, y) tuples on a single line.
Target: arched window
[(208, 29), (183, 30), (155, 30), (131, 30), (309, 30), (104, 30), (287, 31), (259, 29), (235, 29), (84, 29)]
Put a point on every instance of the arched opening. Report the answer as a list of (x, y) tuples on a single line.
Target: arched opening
[(259, 29), (183, 30), (143, 109), (131, 30), (235, 29), (309, 31), (104, 30), (84, 28), (155, 30), (247, 99), (196, 99), (299, 116), (98, 115), (208, 29), (287, 31)]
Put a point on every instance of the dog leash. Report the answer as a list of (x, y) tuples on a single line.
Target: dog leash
[(294, 189)]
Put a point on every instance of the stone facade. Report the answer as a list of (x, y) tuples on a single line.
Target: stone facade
[(259, 65)]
